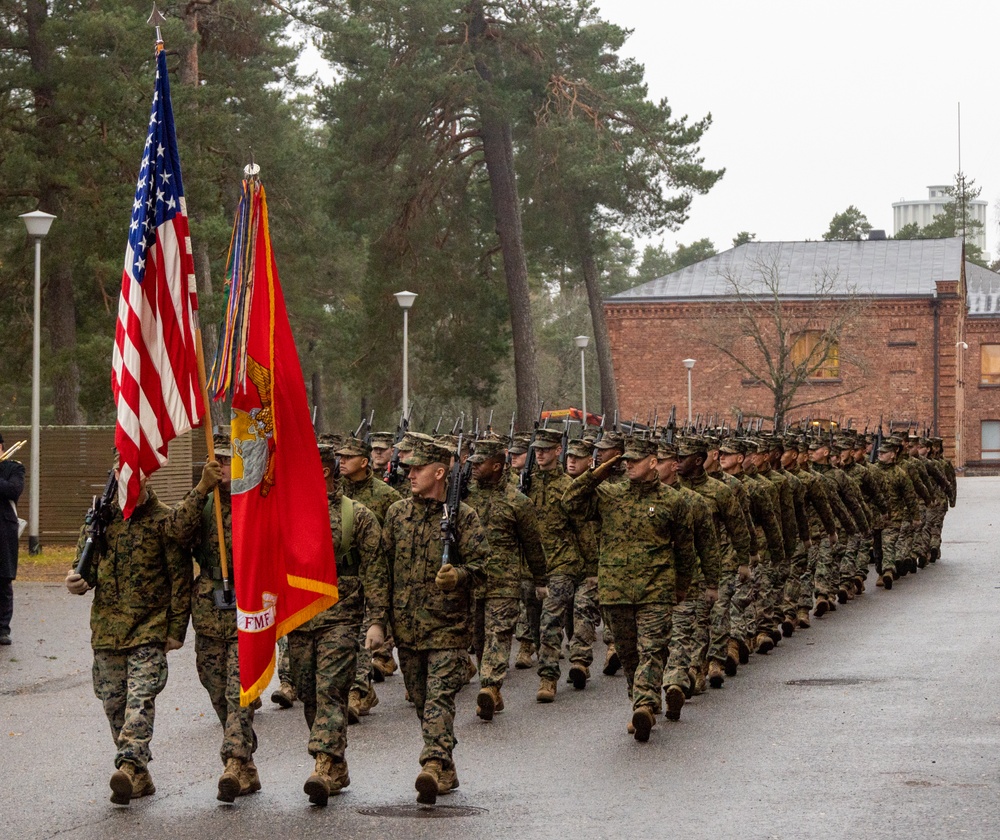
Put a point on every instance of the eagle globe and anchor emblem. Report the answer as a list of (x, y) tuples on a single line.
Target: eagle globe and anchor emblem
[(252, 433), (253, 466)]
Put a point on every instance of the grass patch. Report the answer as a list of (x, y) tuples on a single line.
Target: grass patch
[(51, 565)]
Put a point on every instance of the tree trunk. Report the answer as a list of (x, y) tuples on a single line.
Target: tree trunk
[(189, 59), (602, 341), (58, 301), (498, 152)]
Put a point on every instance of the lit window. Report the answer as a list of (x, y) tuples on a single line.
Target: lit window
[(990, 447), (989, 364), (806, 354)]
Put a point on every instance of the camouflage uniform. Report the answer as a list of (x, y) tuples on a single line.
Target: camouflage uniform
[(564, 563), (647, 561), (749, 620), (908, 544), (431, 626), (824, 556), (903, 508), (377, 496), (142, 597), (734, 547), (822, 528), (215, 644), (690, 620), (512, 530), (324, 650)]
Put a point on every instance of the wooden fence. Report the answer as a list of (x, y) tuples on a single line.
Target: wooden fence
[(73, 467)]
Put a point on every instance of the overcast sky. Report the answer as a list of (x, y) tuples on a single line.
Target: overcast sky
[(819, 106)]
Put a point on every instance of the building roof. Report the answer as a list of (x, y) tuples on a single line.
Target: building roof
[(882, 268), (982, 290)]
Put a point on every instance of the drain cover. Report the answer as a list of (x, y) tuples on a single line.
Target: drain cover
[(829, 681), (423, 811)]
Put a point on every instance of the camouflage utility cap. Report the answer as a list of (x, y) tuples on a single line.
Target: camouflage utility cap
[(665, 449), (222, 446), (732, 446), (691, 446), (411, 439), (580, 449), (382, 440), (638, 448), (611, 440), (352, 446), (427, 453), (547, 439), (486, 449), (520, 443)]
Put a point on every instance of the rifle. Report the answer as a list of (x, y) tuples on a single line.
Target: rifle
[(393, 474), (453, 499), (600, 434), (873, 458), (565, 445), (438, 426), (97, 520), (524, 482), (366, 425), (510, 435), (671, 425), (489, 423)]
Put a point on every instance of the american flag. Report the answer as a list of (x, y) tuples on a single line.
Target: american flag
[(154, 371)]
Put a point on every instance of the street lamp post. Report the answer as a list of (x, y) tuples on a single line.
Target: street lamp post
[(582, 341), (405, 301), (689, 363), (38, 224)]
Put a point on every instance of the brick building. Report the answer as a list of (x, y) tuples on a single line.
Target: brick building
[(920, 342)]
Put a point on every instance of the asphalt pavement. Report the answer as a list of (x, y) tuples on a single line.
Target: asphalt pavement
[(881, 721)]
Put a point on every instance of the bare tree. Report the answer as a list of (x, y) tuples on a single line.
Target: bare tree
[(783, 341)]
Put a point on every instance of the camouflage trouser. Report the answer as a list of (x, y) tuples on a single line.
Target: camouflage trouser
[(769, 594), (495, 619), (218, 664), (719, 617), (586, 617), (792, 598), (937, 514), (826, 567), (433, 678), (363, 670), (743, 607), (284, 668), (688, 639), (564, 596), (642, 638), (607, 634), (863, 558), (323, 666), (127, 683), (529, 615), (904, 544), (849, 563), (890, 547)]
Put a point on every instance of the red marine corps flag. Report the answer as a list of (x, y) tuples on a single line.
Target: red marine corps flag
[(154, 368), (282, 545)]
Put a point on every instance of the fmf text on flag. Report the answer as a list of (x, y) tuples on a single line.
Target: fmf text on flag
[(154, 371), (283, 558)]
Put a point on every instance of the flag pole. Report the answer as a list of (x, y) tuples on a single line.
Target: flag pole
[(155, 19)]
